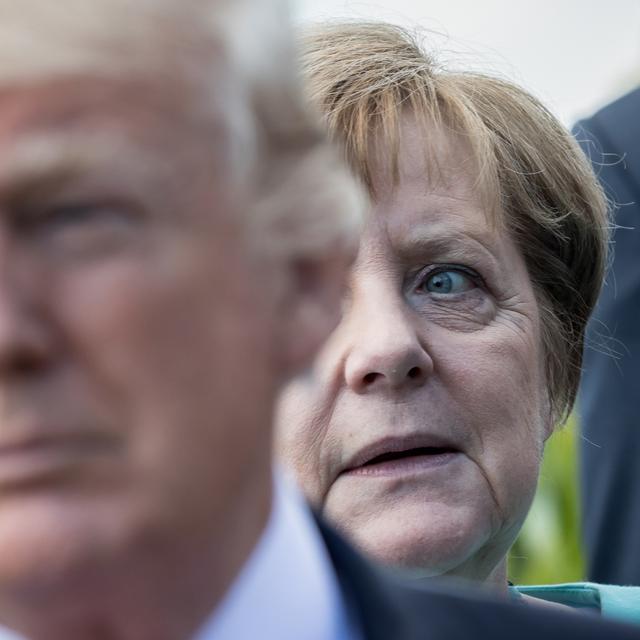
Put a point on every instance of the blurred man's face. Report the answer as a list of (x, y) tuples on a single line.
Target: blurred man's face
[(136, 379)]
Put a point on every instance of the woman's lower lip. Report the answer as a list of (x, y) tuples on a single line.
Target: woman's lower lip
[(405, 466)]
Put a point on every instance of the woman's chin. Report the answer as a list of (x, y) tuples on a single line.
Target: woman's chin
[(428, 546)]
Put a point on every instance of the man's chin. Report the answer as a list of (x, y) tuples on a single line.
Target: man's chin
[(47, 543)]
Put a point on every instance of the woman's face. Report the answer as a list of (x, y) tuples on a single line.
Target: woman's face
[(420, 429)]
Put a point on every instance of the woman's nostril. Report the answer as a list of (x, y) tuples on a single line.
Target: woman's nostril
[(414, 372), (369, 377)]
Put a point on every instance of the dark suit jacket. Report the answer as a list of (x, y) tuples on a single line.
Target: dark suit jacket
[(389, 609), (609, 401)]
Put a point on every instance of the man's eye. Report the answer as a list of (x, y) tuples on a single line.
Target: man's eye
[(78, 214), (75, 217), (448, 282), (80, 228)]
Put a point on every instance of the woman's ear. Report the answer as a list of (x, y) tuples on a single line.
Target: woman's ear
[(311, 307)]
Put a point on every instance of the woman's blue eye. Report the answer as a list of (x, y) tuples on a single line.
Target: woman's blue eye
[(448, 282)]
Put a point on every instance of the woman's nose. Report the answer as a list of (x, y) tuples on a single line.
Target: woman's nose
[(386, 353)]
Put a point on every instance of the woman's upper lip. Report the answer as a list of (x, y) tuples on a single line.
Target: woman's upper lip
[(397, 444)]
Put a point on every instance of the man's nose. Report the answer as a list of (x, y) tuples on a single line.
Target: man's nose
[(25, 344), (386, 352)]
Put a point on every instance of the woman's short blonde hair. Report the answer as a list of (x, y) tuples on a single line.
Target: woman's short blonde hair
[(365, 76)]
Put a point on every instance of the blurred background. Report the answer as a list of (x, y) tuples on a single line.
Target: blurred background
[(576, 56)]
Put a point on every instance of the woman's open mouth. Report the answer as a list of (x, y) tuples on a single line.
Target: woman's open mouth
[(399, 460)]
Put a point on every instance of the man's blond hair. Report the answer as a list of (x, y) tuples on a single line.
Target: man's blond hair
[(365, 76), (215, 49)]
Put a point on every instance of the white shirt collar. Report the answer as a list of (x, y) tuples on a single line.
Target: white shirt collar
[(287, 589)]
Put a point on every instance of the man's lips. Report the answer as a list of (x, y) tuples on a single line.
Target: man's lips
[(32, 456), (403, 452), (74, 440)]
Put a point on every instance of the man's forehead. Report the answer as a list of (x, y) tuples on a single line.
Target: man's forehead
[(75, 36), (75, 126)]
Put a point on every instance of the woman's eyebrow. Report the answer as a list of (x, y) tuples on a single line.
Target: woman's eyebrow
[(434, 242)]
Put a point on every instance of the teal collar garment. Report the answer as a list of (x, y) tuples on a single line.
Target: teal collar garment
[(611, 601)]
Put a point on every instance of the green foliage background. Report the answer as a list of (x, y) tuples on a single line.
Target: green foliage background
[(549, 548)]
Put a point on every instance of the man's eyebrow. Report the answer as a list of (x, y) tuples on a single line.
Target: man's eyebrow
[(47, 159)]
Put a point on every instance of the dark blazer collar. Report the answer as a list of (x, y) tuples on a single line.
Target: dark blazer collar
[(365, 590)]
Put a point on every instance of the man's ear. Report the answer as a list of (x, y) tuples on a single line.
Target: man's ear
[(311, 307)]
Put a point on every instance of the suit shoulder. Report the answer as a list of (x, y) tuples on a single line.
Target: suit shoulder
[(618, 121), (626, 108)]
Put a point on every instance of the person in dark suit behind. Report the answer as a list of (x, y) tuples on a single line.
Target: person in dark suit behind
[(173, 236), (609, 401)]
